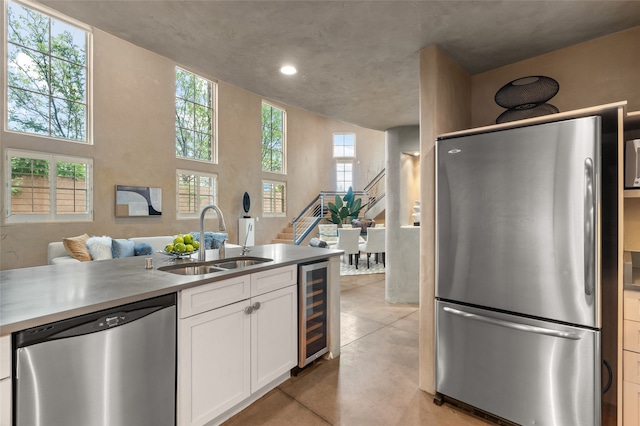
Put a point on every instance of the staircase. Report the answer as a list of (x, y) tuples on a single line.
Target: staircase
[(375, 191), (285, 237), (316, 211)]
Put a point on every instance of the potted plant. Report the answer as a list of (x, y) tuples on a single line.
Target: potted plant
[(345, 209)]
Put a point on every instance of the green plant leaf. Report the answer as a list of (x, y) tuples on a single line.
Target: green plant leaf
[(348, 197), (338, 202)]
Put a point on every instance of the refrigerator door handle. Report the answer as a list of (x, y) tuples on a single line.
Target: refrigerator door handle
[(589, 231), (513, 325)]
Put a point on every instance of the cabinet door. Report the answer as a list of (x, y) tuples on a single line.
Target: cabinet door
[(630, 404), (274, 335), (213, 363), (5, 402), (632, 305)]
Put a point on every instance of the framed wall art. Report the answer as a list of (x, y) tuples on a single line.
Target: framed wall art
[(138, 201)]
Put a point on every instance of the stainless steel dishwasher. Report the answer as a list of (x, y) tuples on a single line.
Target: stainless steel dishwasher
[(115, 367)]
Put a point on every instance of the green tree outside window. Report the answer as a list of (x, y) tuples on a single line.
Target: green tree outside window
[(46, 75), (194, 116), (272, 139)]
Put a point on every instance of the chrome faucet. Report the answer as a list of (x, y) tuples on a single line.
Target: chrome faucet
[(202, 256)]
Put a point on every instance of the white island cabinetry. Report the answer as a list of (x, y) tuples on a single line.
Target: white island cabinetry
[(5, 381), (236, 337)]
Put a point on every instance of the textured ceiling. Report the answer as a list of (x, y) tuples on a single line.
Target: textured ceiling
[(357, 60)]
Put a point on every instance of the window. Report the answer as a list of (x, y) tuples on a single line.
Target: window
[(344, 175), (273, 138), (48, 187), (344, 145), (47, 75), (195, 191), (195, 120), (274, 198)]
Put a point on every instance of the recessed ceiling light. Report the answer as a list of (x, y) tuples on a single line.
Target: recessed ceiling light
[(288, 70)]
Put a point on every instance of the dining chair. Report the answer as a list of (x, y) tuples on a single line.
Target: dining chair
[(348, 241), (374, 244)]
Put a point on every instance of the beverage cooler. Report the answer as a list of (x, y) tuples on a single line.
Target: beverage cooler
[(313, 313)]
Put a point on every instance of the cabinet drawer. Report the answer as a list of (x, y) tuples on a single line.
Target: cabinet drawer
[(631, 372), (213, 295), (5, 356), (273, 279), (630, 404), (631, 336), (632, 305)]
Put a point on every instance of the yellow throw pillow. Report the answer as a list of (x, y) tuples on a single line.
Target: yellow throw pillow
[(77, 247)]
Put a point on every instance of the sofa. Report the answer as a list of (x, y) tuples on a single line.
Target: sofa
[(104, 247)]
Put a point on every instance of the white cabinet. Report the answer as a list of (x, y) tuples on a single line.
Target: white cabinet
[(236, 347), (631, 359), (213, 355), (5, 381), (274, 331)]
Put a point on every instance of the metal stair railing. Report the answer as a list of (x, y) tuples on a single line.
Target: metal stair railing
[(375, 190), (315, 211)]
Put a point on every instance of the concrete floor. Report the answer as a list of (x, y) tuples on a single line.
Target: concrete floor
[(373, 382)]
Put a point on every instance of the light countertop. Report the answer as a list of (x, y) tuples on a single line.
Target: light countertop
[(30, 297)]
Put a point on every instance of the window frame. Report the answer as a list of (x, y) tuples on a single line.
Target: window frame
[(333, 146), (51, 14), (214, 116), (53, 215), (198, 175), (273, 184), (284, 138), (344, 160)]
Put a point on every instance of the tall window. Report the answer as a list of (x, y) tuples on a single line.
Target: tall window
[(273, 139), (274, 198), (344, 175), (195, 191), (195, 118), (48, 187), (344, 148), (47, 75)]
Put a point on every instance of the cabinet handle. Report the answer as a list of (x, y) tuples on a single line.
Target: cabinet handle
[(256, 306), (248, 310)]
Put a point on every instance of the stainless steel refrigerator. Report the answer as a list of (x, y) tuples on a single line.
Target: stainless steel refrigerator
[(525, 246)]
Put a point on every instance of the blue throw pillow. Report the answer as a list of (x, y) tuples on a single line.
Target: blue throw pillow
[(122, 248), (212, 240), (143, 249)]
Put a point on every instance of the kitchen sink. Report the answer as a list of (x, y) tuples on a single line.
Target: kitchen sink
[(191, 269), (210, 267), (239, 262)]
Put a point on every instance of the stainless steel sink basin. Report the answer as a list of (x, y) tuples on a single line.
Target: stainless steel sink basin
[(210, 267), (191, 269), (239, 262)]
